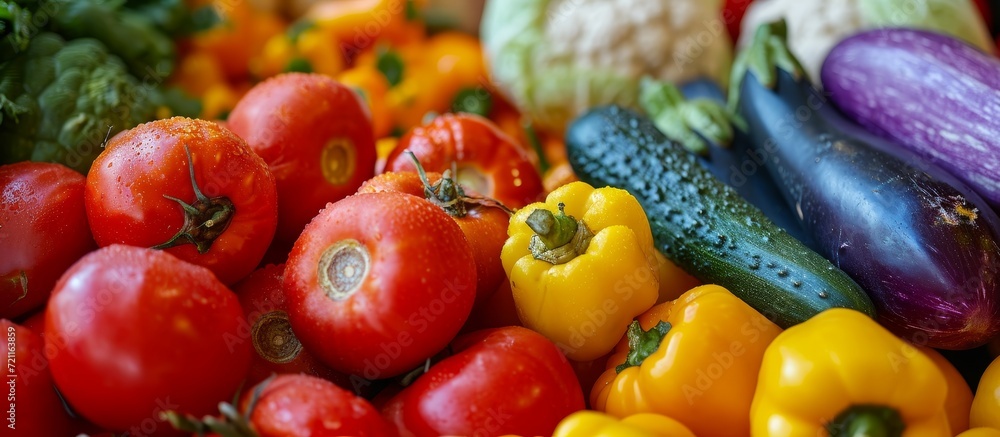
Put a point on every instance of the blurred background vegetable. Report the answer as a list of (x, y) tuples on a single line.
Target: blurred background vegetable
[(815, 26), (555, 59)]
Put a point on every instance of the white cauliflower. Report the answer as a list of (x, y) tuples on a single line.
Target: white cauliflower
[(816, 26), (557, 58)]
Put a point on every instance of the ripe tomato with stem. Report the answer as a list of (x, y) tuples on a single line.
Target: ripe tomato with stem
[(189, 187)]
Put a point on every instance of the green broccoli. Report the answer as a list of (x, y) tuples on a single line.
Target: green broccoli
[(60, 101)]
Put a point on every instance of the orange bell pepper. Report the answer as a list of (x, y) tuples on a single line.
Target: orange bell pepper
[(695, 359)]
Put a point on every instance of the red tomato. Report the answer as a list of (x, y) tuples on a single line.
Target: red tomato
[(301, 405), (317, 138), (43, 231), (378, 283), (33, 408), (732, 16), (276, 348), (500, 381), (135, 332), (484, 226), (498, 312), (138, 187), (984, 9), (489, 162)]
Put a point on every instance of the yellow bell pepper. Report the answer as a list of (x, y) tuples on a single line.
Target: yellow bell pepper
[(595, 424), (986, 405), (581, 266), (695, 359), (981, 432), (843, 374), (959, 400)]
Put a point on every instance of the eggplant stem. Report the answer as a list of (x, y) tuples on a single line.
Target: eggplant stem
[(766, 54)]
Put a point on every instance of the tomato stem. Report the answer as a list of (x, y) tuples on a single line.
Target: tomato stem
[(273, 339), (448, 193), (232, 424), (204, 220), (18, 278)]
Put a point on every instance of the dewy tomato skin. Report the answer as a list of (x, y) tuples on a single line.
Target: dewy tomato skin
[(302, 405), (484, 226), (315, 135), (43, 231), (136, 331), (400, 283), (277, 350), (127, 185), (499, 381), (37, 408)]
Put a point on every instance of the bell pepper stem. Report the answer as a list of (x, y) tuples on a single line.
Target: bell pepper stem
[(558, 237), (642, 344), (867, 421)]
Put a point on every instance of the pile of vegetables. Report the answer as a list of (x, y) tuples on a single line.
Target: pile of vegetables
[(594, 220)]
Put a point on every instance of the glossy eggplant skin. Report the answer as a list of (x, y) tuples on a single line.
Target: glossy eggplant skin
[(742, 167), (928, 92), (919, 241)]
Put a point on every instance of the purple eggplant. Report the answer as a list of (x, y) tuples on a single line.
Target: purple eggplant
[(928, 92), (920, 242)]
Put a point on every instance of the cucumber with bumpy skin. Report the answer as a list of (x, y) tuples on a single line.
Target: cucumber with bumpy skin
[(703, 225)]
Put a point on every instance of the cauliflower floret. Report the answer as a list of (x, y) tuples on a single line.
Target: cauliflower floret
[(557, 58), (816, 26)]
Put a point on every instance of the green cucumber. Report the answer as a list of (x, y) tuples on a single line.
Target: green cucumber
[(703, 225)]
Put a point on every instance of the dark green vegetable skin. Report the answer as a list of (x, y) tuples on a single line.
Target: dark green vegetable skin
[(703, 225)]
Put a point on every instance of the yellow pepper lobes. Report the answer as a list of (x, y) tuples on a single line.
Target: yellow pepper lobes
[(581, 266), (841, 374), (986, 404), (695, 359), (595, 424), (959, 400)]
